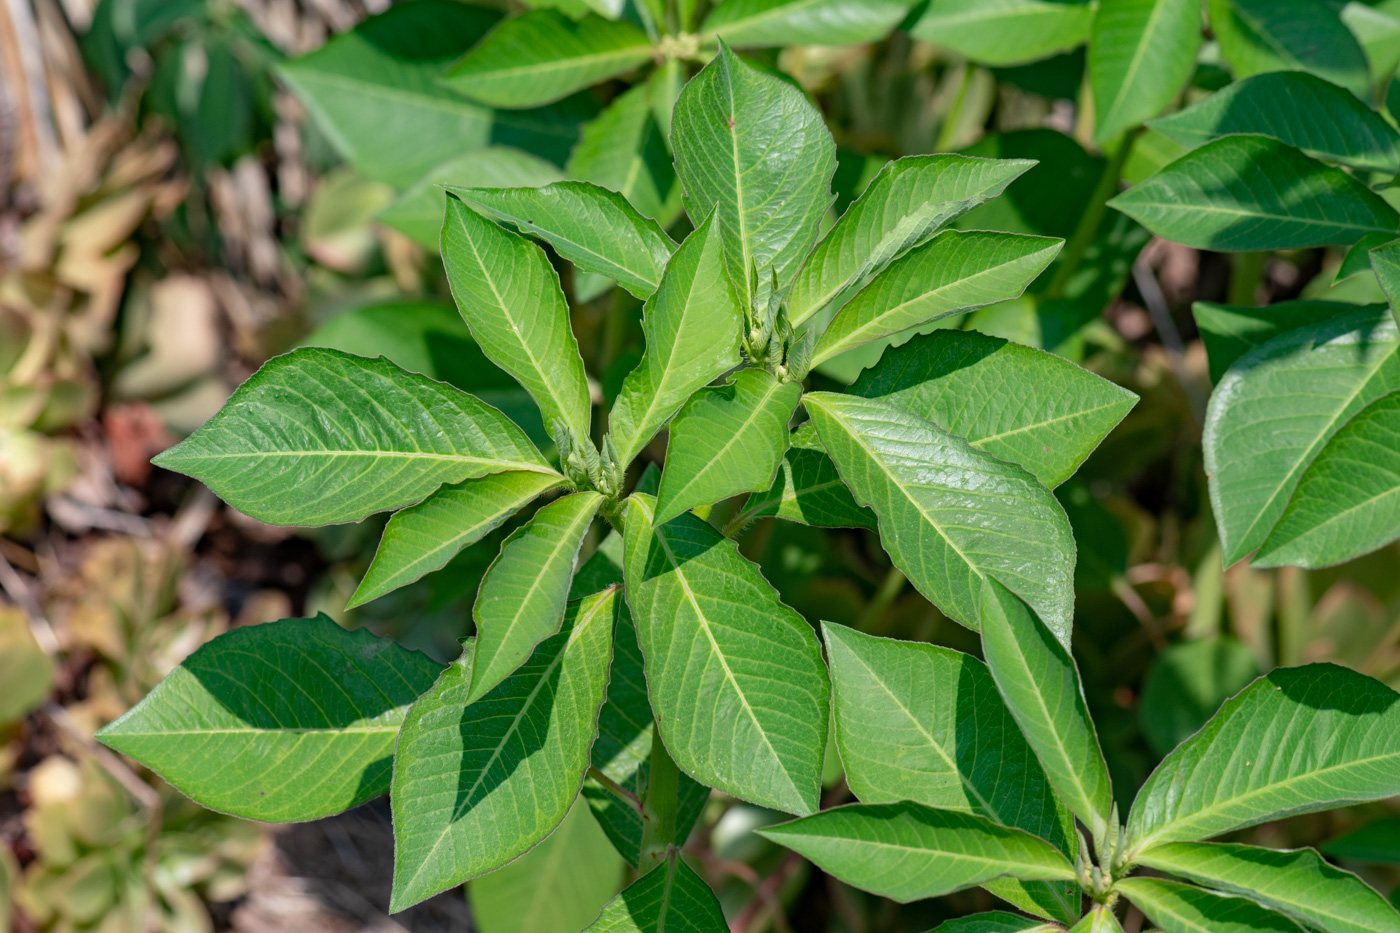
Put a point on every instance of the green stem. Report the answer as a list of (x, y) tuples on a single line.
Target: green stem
[(889, 591), (616, 789), (947, 133), (659, 805), (1246, 269), (1083, 237)]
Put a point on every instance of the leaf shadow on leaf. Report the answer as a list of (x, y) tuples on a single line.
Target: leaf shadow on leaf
[(1325, 687), (1361, 347)]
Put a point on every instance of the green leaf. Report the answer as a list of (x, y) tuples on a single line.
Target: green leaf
[(953, 272), (1014, 402), (1289, 35), (727, 440), (1006, 32), (424, 537), (736, 678), (1099, 919), (418, 212), (926, 724), (509, 295), (1040, 683), (592, 227), (541, 56), (908, 852), (909, 201), (523, 595), (949, 515), (1358, 256), (625, 150), (1185, 686), (475, 786), (1255, 193), (759, 23), (292, 720), (995, 921), (1376, 841), (26, 671), (1348, 501), (1297, 740), (1385, 260), (1180, 908), (318, 437), (1231, 331), (1278, 406), (692, 326), (373, 90), (670, 897), (1297, 883), (770, 197), (1141, 54), (808, 490), (1293, 107)]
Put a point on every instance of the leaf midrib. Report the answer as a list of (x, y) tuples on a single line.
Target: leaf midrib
[(714, 462), (547, 68), (1139, 55)]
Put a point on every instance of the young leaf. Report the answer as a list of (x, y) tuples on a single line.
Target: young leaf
[(592, 227), (727, 440), (1181, 908), (1141, 54), (510, 297), (373, 90), (1255, 193), (541, 56), (907, 202), (1256, 36), (522, 596), (475, 786), (1297, 883), (692, 327), (750, 148), (953, 272), (808, 490), (908, 852), (1296, 108), (1297, 740), (318, 437), (949, 514), (736, 678), (1278, 406), (1014, 402), (668, 899), (996, 921), (760, 23), (1038, 679), (624, 150), (1099, 919), (424, 537), (1006, 32), (293, 720), (1231, 331)]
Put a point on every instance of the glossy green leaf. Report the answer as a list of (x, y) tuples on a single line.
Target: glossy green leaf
[(1005, 32), (1358, 256), (624, 150), (1099, 919), (1180, 908), (317, 437), (953, 272), (1040, 683), (477, 785), (1293, 107), (949, 514), (922, 723), (1376, 841), (808, 490), (1231, 331), (592, 227), (541, 56), (995, 921), (1141, 54), (1348, 501), (668, 899), (757, 23), (909, 201), (509, 295), (692, 326), (373, 90), (1297, 883), (727, 440), (769, 197), (1278, 406), (735, 677), (1255, 193), (424, 537), (522, 596), (1186, 685), (1256, 36), (292, 720), (1297, 740), (908, 852), (1014, 402)]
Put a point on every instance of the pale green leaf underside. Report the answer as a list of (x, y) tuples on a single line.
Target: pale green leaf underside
[(908, 852), (1141, 54), (808, 490), (1180, 908), (668, 899), (475, 786), (1099, 919), (736, 678), (1297, 740), (1005, 32), (949, 514), (317, 437), (758, 23), (292, 720), (1256, 36), (995, 921)]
